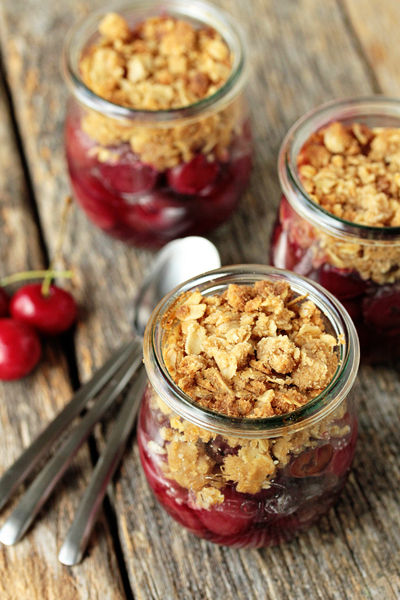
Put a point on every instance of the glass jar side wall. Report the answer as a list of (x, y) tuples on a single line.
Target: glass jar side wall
[(245, 492), (370, 293), (147, 204)]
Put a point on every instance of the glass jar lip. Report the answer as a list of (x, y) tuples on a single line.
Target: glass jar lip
[(199, 10), (292, 187), (309, 414)]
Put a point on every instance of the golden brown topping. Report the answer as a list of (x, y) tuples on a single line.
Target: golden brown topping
[(162, 63), (354, 173), (205, 462), (114, 27), (250, 351)]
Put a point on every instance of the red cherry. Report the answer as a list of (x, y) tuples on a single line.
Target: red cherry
[(78, 146), (127, 175), (286, 212), (284, 254), (313, 462), (4, 301), (353, 307), (193, 177), (229, 518), (342, 283), (50, 314), (20, 349), (343, 457), (157, 211), (383, 310), (99, 211)]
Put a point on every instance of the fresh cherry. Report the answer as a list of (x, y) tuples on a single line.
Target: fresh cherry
[(50, 314), (20, 349), (382, 311), (193, 177), (4, 301), (342, 283)]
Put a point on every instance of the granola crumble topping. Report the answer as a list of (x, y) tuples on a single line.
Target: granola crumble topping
[(353, 172), (250, 351), (190, 454), (163, 63)]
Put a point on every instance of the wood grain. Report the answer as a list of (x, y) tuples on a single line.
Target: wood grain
[(31, 569), (302, 53), (376, 31)]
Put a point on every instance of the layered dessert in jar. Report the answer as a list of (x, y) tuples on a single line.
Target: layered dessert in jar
[(246, 432), (157, 133), (339, 217)]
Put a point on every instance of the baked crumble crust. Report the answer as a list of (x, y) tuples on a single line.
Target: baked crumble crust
[(163, 63), (353, 172), (250, 351), (249, 463)]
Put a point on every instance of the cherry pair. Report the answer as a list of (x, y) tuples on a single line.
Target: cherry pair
[(32, 312)]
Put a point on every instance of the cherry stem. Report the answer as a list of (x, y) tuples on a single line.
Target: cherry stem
[(64, 220), (24, 275)]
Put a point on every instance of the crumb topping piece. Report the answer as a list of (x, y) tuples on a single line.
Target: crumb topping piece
[(353, 172), (161, 63), (250, 351), (205, 462)]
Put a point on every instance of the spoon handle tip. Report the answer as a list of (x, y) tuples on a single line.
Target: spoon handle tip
[(78, 536)]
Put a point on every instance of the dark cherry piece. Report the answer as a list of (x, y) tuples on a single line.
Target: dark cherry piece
[(50, 314), (20, 349), (313, 462), (193, 177), (382, 311), (341, 282), (4, 302), (128, 175)]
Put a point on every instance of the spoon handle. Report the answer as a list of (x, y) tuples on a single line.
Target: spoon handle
[(42, 487), (24, 465), (78, 535)]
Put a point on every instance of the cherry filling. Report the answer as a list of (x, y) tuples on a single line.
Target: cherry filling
[(375, 309), (133, 202), (301, 492)]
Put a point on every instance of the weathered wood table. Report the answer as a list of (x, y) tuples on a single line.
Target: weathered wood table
[(303, 52)]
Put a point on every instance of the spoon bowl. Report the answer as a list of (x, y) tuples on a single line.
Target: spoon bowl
[(175, 263)]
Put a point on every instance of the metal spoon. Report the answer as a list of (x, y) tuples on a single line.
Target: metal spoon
[(177, 262), (179, 268)]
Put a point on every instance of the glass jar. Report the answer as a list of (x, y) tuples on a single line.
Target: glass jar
[(119, 159), (183, 445), (359, 264)]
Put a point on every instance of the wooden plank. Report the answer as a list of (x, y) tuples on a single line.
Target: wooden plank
[(301, 54), (31, 569), (375, 30)]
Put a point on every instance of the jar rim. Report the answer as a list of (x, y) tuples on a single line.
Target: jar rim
[(341, 109), (269, 427), (200, 11)]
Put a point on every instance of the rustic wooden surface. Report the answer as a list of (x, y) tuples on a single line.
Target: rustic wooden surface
[(303, 52), (31, 570)]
